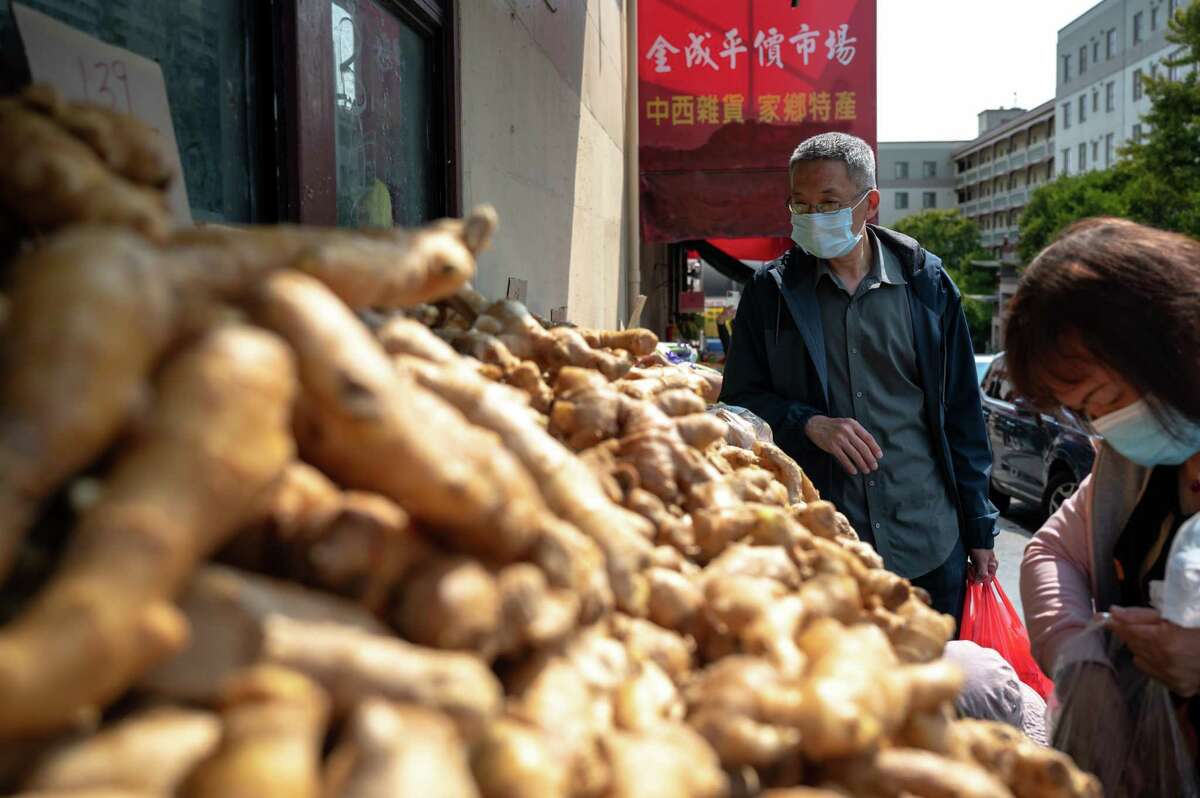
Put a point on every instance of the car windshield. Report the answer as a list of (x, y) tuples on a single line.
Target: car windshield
[(982, 363)]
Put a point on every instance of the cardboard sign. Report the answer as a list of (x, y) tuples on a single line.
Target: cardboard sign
[(517, 289), (86, 69)]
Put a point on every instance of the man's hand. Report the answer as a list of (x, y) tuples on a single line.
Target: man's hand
[(1161, 649), (845, 439), (984, 563)]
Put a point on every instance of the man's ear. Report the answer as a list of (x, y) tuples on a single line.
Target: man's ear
[(873, 199)]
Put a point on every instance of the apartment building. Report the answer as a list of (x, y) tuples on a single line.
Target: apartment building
[(1102, 57), (996, 172), (915, 176)]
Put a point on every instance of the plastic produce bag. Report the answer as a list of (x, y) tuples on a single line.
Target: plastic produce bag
[(990, 620), (745, 428), (1122, 725), (1180, 603)]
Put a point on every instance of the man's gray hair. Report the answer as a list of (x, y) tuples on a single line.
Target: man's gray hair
[(850, 150)]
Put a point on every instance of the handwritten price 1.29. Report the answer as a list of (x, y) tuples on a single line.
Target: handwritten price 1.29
[(107, 83)]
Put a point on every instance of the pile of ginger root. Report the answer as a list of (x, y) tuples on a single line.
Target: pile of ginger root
[(296, 512)]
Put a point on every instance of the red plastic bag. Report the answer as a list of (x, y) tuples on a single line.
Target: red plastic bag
[(990, 620)]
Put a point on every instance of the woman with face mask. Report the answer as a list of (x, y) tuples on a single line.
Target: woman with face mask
[(1106, 322)]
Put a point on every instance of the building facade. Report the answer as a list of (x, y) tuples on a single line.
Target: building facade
[(914, 176), (996, 173), (373, 112), (1102, 57)]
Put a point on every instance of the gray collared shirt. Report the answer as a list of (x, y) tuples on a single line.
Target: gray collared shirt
[(904, 509)]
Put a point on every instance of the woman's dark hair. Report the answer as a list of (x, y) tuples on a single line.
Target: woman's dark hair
[(1129, 295)]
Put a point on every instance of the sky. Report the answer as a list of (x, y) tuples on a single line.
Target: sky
[(941, 62)]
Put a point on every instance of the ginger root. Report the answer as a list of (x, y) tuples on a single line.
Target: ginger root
[(149, 752), (394, 750), (274, 724), (360, 419), (218, 438), (353, 665)]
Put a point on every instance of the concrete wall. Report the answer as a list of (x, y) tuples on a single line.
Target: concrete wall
[(916, 184), (543, 139)]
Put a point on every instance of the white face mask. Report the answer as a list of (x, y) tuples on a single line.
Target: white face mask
[(827, 235), (1136, 433)]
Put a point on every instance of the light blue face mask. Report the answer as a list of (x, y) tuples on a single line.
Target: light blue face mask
[(827, 235), (1137, 434)]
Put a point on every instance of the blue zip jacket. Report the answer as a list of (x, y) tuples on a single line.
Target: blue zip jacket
[(786, 388)]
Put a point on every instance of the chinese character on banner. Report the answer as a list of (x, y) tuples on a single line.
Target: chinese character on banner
[(726, 89), (658, 54), (768, 45), (818, 106), (795, 106), (768, 108), (840, 47), (845, 106), (657, 110), (733, 107), (733, 46), (699, 53), (683, 110), (805, 41)]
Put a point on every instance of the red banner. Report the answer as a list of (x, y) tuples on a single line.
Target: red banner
[(727, 89)]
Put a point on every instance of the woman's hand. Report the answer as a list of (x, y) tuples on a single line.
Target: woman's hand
[(1161, 649)]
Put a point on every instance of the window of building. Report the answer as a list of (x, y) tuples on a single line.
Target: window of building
[(901, 200), (1110, 43), (1137, 132), (1096, 52), (929, 199), (1138, 88), (929, 169), (1083, 59), (1083, 156), (1137, 27), (1082, 108), (1066, 68), (1066, 161), (1108, 150), (1095, 101), (1172, 7), (388, 144), (209, 80), (901, 170), (1110, 96), (1154, 18), (1066, 109), (1095, 153)]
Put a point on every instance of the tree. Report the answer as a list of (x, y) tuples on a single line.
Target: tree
[(1157, 180), (1056, 205), (955, 239)]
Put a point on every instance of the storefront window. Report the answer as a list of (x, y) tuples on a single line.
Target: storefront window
[(384, 140), (202, 47)]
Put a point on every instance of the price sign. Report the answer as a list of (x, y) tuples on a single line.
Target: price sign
[(86, 69)]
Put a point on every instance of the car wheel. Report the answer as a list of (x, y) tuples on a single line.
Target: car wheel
[(1000, 500), (1061, 487)]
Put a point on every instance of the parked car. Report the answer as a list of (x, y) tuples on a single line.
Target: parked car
[(1037, 457), (982, 362)]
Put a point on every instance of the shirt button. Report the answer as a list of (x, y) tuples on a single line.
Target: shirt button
[(877, 525), (859, 394), (854, 351), (871, 484)]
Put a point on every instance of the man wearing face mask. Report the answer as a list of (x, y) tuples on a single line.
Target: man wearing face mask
[(855, 349)]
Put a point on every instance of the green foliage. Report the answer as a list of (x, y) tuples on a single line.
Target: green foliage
[(1157, 180), (1058, 204), (955, 239)]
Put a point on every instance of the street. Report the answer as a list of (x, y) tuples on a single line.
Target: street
[(1016, 528)]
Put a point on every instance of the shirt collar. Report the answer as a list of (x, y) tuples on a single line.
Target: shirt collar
[(884, 266)]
